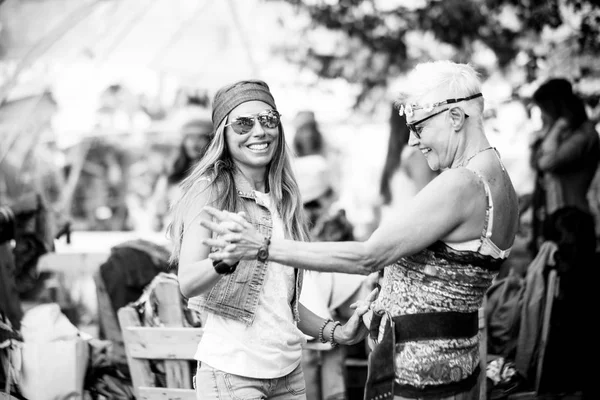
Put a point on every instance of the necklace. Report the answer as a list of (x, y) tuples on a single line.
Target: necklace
[(462, 164)]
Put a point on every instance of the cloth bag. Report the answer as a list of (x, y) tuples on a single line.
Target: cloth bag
[(54, 355)]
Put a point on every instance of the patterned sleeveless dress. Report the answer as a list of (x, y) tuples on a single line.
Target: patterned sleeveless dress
[(441, 278)]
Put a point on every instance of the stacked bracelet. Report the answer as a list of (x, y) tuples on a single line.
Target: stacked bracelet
[(335, 325), (321, 337)]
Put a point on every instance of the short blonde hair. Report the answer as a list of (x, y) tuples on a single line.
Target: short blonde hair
[(449, 79)]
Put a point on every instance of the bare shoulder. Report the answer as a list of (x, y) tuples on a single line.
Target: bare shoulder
[(444, 207), (455, 195), (454, 184)]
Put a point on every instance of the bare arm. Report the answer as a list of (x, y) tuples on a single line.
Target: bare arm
[(351, 332), (554, 156), (195, 272), (444, 209)]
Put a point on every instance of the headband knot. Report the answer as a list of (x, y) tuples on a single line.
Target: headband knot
[(230, 96)]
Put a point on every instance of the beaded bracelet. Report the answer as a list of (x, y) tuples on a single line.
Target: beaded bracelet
[(335, 325), (321, 338)]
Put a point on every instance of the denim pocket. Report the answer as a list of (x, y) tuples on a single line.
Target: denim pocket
[(295, 383), (243, 388)]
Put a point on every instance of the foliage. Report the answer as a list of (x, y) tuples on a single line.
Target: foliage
[(371, 41)]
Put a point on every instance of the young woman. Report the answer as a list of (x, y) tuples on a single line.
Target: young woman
[(254, 326)]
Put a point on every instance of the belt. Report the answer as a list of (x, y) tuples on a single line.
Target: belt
[(435, 325)]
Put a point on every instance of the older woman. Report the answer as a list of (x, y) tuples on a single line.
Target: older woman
[(254, 329), (440, 252)]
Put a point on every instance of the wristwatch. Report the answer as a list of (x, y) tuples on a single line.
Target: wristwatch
[(263, 251), (222, 268)]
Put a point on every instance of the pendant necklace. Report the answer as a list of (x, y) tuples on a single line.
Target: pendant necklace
[(471, 157)]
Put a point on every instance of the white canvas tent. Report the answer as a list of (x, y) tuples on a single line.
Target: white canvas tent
[(77, 48)]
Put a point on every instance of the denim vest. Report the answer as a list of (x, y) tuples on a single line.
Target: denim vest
[(236, 296)]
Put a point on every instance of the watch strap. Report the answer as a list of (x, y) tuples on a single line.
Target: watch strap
[(222, 268)]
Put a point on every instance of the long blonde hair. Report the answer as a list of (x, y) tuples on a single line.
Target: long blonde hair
[(219, 168)]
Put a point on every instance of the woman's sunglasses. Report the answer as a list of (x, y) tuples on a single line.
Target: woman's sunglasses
[(414, 128), (409, 109), (243, 124)]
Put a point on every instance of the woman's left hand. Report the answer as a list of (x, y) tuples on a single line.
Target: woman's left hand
[(355, 330)]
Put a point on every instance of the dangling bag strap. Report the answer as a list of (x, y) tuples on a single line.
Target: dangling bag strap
[(381, 373)]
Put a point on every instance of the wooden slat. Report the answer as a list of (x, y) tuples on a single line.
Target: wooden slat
[(551, 292), (162, 342), (178, 373), (141, 374), (72, 264), (356, 362), (151, 393)]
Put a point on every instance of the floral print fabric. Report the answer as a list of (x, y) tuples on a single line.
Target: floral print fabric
[(437, 279)]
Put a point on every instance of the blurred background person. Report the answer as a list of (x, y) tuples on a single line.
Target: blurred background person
[(565, 154), (308, 138), (195, 140), (405, 170), (576, 261), (195, 137), (328, 295)]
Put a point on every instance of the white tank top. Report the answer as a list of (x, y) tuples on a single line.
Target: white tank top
[(272, 346)]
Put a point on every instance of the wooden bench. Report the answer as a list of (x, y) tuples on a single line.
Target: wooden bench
[(173, 343)]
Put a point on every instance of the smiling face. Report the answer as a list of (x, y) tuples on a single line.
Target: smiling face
[(255, 149), (435, 134)]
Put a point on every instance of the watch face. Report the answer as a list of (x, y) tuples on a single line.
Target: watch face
[(263, 254)]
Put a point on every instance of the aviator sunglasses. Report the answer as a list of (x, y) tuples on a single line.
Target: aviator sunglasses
[(243, 124)]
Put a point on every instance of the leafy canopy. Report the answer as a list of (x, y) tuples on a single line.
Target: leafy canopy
[(371, 41)]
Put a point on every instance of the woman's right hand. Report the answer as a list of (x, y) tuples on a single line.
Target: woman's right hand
[(237, 240), (355, 329)]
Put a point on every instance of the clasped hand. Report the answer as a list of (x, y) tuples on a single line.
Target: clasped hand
[(237, 238), (355, 329)]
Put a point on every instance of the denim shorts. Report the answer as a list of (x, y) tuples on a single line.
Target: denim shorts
[(214, 384)]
